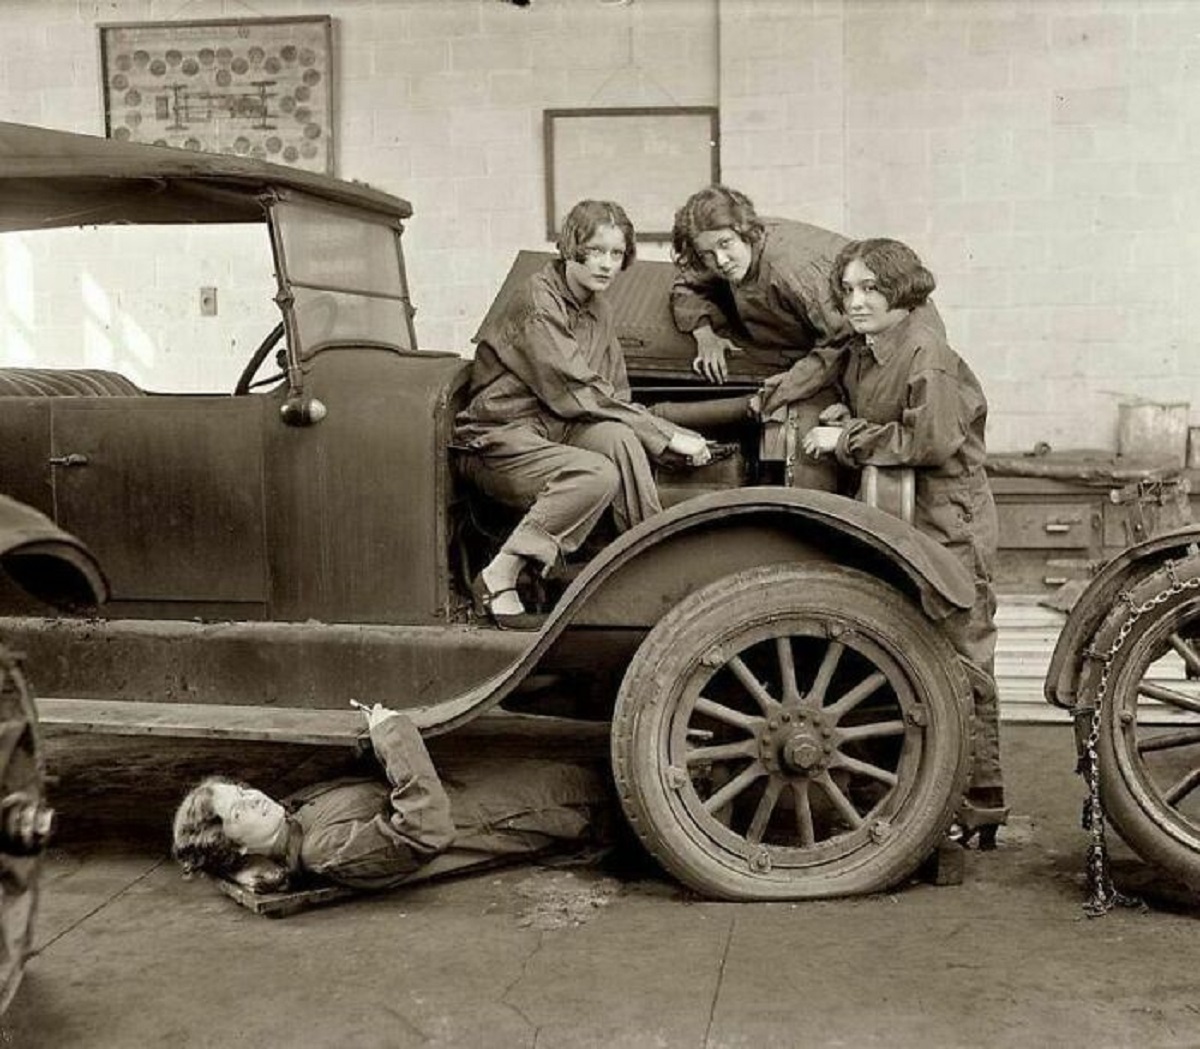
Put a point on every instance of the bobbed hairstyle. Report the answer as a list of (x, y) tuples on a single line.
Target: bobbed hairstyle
[(581, 224), (714, 207), (199, 842), (900, 275)]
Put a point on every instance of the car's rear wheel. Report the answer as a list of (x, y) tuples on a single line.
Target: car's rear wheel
[(25, 823), (792, 732)]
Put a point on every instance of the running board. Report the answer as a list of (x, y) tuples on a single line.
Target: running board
[(60, 716)]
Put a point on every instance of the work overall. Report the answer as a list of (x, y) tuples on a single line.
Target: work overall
[(550, 429), (916, 403)]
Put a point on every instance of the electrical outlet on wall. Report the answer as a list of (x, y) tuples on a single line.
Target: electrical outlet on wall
[(208, 302)]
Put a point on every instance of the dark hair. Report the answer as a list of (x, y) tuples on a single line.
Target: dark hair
[(714, 207), (900, 275), (581, 224), (199, 841)]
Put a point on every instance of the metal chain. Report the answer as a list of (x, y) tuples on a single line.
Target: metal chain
[(1103, 896)]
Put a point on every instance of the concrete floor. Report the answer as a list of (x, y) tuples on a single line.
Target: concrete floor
[(131, 955)]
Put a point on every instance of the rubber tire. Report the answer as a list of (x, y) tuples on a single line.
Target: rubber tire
[(716, 614), (1171, 842), (20, 876)]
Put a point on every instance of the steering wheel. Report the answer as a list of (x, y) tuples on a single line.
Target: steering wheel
[(245, 383)]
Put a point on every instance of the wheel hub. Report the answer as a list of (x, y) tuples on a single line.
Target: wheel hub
[(799, 743), (802, 753)]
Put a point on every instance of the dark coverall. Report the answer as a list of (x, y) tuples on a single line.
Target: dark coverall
[(368, 834), (916, 403), (783, 303), (550, 426)]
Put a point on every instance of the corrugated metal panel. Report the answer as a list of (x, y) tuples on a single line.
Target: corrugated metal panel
[(1027, 635)]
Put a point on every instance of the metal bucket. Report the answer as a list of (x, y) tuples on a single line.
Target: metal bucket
[(1146, 430)]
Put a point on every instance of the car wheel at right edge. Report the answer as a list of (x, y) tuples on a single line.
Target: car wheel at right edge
[(792, 731), (1148, 744)]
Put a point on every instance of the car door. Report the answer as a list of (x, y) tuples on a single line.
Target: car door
[(168, 493)]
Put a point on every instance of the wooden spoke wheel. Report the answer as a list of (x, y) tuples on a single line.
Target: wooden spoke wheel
[(1149, 741), (791, 732), (25, 823)]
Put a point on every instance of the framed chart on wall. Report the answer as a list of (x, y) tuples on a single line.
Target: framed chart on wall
[(648, 159), (254, 87)]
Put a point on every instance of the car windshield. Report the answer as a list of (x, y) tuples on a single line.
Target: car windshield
[(344, 270)]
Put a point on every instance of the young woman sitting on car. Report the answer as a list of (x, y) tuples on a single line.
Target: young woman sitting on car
[(550, 428)]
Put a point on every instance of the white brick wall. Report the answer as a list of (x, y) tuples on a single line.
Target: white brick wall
[(1039, 153), (438, 101)]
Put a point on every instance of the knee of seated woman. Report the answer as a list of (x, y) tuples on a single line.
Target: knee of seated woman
[(614, 438), (591, 481), (604, 478)]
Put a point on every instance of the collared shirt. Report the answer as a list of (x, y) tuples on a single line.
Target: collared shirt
[(551, 358), (915, 401), (784, 301), (368, 834)]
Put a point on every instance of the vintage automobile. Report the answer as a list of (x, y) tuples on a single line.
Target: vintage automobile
[(57, 570), (1127, 667), (787, 720)]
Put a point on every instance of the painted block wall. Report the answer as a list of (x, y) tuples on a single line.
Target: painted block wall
[(1037, 153), (438, 101)]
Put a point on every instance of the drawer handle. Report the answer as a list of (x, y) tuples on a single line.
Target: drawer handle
[(1059, 527), (1054, 580)]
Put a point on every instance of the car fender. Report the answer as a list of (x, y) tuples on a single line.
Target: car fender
[(1097, 601), (817, 524), (617, 588), (46, 562)]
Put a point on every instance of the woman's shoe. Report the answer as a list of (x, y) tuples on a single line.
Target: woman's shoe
[(484, 600), (981, 814)]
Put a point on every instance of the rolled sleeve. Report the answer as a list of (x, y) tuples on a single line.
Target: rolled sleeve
[(929, 433), (419, 806), (693, 305)]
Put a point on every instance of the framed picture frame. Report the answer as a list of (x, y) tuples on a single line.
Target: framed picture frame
[(649, 159), (254, 87)]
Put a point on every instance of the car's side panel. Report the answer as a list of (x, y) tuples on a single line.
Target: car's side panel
[(644, 589), (25, 440), (357, 502), (167, 491), (272, 666)]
